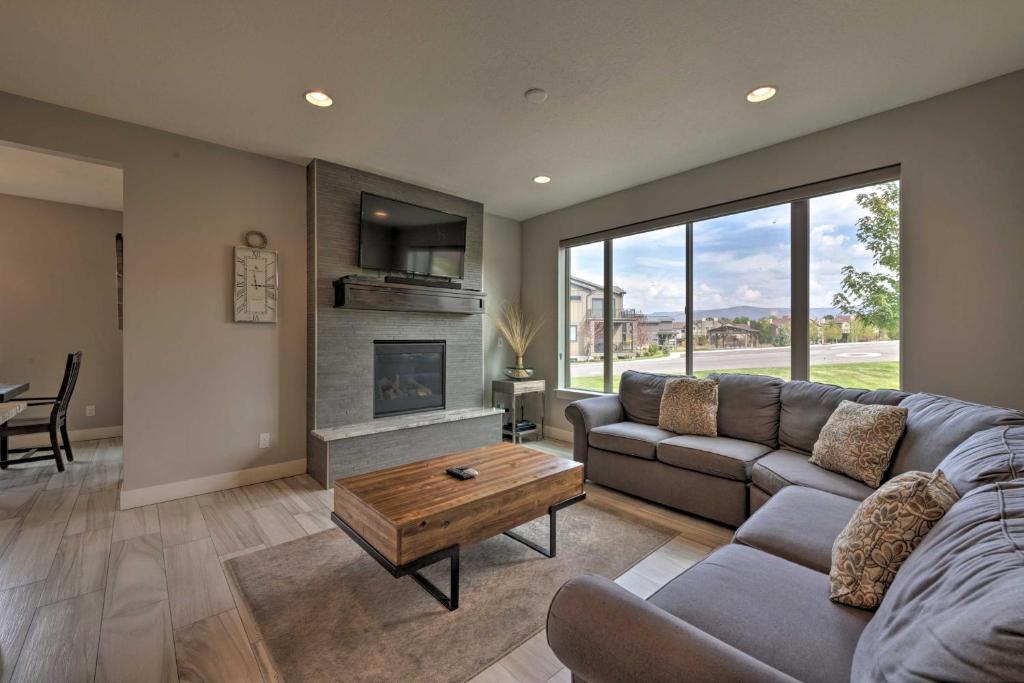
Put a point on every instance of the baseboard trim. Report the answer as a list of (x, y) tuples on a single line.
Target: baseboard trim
[(560, 434), (34, 440), (160, 493)]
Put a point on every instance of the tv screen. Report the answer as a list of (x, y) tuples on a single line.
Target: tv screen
[(396, 236)]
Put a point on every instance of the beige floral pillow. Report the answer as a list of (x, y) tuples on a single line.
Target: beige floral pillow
[(882, 533), (858, 440), (690, 406)]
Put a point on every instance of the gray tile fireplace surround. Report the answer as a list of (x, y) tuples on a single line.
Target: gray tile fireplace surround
[(357, 448), (343, 436)]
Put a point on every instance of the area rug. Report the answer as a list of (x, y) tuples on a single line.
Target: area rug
[(329, 612)]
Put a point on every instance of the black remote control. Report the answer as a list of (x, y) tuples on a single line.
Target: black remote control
[(462, 472)]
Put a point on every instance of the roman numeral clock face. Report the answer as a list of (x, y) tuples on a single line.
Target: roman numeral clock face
[(255, 285)]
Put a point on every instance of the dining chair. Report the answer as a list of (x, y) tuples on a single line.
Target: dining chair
[(56, 422)]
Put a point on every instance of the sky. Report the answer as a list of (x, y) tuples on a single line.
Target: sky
[(739, 260)]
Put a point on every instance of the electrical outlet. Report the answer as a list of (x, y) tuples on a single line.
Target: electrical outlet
[(264, 440), (90, 411)]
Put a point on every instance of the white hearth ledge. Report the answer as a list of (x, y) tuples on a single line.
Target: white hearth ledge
[(392, 424)]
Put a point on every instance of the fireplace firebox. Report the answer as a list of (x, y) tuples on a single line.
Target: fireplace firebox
[(408, 377)]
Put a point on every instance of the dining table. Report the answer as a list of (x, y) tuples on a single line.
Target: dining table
[(9, 391), (10, 409)]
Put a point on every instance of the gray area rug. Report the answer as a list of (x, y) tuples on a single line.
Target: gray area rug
[(329, 612)]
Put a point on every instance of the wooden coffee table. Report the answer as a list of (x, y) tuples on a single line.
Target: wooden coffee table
[(414, 515)]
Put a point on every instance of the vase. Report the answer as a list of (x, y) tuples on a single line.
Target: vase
[(518, 371)]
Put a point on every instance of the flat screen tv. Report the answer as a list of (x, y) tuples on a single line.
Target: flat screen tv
[(399, 237)]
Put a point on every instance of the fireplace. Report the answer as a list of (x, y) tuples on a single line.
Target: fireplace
[(408, 377)]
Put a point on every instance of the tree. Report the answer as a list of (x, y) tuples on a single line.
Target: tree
[(875, 297)]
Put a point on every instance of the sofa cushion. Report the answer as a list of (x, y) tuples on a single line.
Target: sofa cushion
[(629, 438), (956, 609), (938, 424), (993, 455), (781, 468), (772, 609), (859, 440), (798, 524), (640, 394), (690, 406), (806, 406), (748, 407), (722, 457), (882, 533)]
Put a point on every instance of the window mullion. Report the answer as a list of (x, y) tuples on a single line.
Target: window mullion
[(689, 298), (800, 241), (609, 316)]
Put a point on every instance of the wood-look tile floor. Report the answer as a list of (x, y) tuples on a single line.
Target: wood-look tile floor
[(88, 592)]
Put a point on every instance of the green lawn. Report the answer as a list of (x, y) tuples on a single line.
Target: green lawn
[(884, 375)]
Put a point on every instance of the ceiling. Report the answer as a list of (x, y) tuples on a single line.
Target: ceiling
[(431, 92), (28, 173)]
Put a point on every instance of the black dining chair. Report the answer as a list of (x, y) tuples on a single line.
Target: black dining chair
[(57, 421)]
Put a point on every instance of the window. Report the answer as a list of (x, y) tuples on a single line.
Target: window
[(586, 346), (649, 295), (855, 287), (800, 284), (741, 293)]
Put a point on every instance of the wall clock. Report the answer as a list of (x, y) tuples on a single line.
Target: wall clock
[(255, 285)]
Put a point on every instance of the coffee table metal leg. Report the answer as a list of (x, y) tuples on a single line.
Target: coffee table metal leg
[(451, 601), (552, 548)]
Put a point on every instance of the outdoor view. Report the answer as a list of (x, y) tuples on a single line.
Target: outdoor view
[(742, 295)]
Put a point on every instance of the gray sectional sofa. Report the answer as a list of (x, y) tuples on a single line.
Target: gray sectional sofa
[(759, 609), (766, 432)]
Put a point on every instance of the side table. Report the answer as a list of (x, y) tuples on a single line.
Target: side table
[(517, 390)]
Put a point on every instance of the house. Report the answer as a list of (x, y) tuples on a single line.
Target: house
[(734, 336), (310, 312)]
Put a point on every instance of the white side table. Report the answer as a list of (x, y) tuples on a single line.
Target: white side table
[(517, 390)]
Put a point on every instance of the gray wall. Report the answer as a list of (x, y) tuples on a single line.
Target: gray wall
[(198, 387), (962, 157), (342, 345), (501, 282), (60, 295)]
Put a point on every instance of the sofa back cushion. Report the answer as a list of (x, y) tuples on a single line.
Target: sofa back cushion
[(955, 611), (640, 394), (806, 407), (986, 457), (938, 424), (748, 408)]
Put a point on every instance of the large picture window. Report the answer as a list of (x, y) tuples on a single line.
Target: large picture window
[(803, 287), (741, 297)]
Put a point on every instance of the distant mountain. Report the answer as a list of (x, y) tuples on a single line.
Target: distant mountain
[(752, 312)]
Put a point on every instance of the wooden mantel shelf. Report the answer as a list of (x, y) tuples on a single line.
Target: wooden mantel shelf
[(378, 295)]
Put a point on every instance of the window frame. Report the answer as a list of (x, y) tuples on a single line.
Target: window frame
[(798, 199)]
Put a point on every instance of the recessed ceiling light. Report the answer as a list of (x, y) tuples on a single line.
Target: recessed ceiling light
[(535, 95), (761, 93), (541, 179), (319, 98)]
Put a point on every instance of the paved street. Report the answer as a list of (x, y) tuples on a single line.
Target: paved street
[(826, 354)]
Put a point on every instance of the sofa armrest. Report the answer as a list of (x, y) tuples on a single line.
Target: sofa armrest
[(588, 413), (605, 634)]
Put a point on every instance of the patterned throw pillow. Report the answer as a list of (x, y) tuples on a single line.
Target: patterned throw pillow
[(690, 406), (882, 533), (858, 440)]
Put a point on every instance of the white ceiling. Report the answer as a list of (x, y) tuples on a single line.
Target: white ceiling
[(28, 173), (431, 91)]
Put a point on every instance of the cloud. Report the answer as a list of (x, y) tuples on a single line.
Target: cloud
[(748, 294)]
